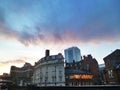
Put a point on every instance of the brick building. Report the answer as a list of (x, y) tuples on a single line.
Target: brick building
[(86, 68), (112, 68), (90, 65)]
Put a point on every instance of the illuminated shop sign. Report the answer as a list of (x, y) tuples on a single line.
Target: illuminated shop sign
[(84, 76)]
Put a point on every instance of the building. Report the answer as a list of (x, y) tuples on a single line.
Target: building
[(90, 64), (71, 54), (49, 71), (5, 76), (101, 70), (22, 76), (101, 67), (84, 72), (112, 68), (75, 76)]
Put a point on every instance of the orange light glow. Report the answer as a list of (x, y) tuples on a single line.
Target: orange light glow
[(82, 76)]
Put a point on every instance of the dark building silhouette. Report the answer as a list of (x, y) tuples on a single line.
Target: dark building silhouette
[(22, 76), (101, 70), (47, 53), (84, 72), (90, 65), (112, 68), (5, 76)]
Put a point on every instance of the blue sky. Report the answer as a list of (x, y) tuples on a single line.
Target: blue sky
[(28, 27)]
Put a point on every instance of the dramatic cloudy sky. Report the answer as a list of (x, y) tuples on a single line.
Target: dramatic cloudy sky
[(28, 27)]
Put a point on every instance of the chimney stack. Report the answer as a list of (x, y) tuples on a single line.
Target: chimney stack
[(47, 52)]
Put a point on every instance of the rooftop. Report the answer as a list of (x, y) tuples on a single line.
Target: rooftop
[(113, 54)]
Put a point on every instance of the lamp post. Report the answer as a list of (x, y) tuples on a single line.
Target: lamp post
[(55, 75)]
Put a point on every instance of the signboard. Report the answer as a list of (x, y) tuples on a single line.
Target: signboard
[(83, 76)]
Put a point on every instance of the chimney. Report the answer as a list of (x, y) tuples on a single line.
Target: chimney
[(47, 53)]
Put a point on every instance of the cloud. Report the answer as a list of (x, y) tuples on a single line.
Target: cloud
[(13, 61), (16, 61), (25, 37), (66, 22), (6, 64), (92, 33)]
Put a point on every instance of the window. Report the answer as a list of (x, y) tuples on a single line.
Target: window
[(53, 57), (46, 79), (40, 79), (110, 73), (60, 73), (41, 74), (46, 74), (53, 73), (60, 67), (87, 67), (53, 79), (60, 78), (47, 58)]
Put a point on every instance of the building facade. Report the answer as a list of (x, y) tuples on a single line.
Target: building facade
[(5, 76), (90, 64), (74, 76), (101, 70), (49, 71), (112, 68), (22, 76), (84, 72), (71, 54)]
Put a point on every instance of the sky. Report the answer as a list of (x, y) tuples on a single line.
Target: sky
[(29, 27)]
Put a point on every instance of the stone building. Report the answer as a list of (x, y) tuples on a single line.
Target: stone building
[(84, 72), (112, 68), (49, 71), (22, 76)]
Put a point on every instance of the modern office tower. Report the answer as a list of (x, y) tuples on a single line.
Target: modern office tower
[(72, 53)]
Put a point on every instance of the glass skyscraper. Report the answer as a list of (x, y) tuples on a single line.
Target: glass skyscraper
[(71, 54)]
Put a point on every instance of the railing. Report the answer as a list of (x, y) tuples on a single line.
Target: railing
[(92, 87)]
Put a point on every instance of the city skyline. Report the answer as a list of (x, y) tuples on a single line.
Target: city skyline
[(28, 28)]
